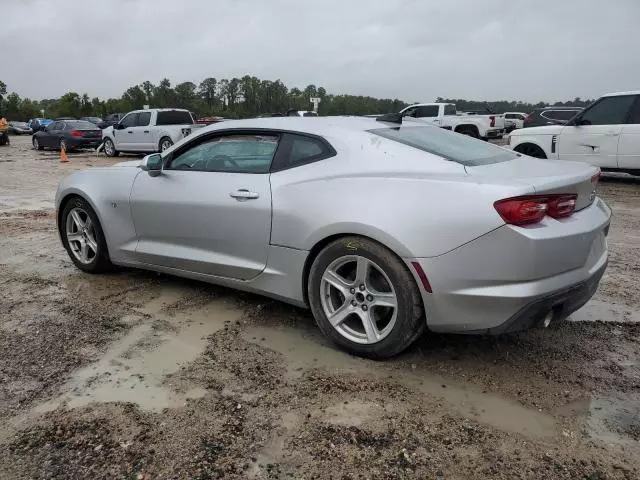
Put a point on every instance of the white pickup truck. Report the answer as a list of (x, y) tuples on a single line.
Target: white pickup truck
[(147, 131), (444, 115)]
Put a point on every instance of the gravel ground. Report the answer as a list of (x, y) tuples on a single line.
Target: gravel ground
[(134, 375)]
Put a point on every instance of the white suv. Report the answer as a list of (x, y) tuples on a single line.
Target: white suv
[(606, 134)]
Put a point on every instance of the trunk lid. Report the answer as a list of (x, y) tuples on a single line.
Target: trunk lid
[(544, 177)]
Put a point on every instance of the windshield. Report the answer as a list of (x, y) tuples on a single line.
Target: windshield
[(455, 147)]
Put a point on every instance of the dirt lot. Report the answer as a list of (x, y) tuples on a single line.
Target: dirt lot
[(140, 376)]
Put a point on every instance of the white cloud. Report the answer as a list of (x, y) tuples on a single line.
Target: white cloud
[(410, 49)]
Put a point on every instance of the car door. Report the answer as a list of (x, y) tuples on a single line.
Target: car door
[(209, 211), (592, 137), (629, 144), (123, 132), (52, 134), (142, 139)]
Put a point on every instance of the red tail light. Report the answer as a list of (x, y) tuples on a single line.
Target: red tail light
[(532, 209), (492, 121), (76, 133)]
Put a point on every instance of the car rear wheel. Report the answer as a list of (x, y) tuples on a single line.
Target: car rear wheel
[(83, 238), (364, 298), (36, 144), (469, 131), (165, 142), (110, 148)]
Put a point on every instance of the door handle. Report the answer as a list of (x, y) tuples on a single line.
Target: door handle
[(244, 194), (146, 131), (612, 134), (129, 131)]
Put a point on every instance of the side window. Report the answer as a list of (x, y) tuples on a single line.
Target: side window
[(449, 109), (143, 119), (56, 126), (509, 116), (410, 112), (296, 150), (608, 111), (129, 120), (634, 116), (238, 153), (427, 111)]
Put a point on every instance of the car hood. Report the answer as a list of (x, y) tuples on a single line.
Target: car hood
[(546, 130), (128, 163)]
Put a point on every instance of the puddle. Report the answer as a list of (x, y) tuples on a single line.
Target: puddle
[(134, 368), (597, 310), (274, 450), (615, 421), (303, 350)]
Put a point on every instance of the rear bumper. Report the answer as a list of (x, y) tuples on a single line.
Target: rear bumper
[(84, 143), (510, 278), (559, 304), (495, 133)]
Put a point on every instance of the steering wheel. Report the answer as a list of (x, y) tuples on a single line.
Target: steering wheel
[(218, 162)]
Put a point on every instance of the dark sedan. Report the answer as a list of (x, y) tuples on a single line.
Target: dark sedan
[(19, 128), (550, 116), (68, 134)]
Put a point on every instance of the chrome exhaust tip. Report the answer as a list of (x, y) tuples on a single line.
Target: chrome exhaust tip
[(547, 319)]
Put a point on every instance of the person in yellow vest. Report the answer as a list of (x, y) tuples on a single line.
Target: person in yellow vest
[(4, 131)]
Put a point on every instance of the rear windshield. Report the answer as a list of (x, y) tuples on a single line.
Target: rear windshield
[(451, 146), (80, 124), (174, 117)]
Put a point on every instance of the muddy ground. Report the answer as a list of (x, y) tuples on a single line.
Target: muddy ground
[(139, 376)]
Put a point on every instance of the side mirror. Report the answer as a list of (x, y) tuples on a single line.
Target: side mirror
[(117, 126), (152, 164)]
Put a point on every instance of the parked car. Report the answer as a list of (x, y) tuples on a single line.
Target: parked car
[(67, 134), (550, 116), (445, 115), (110, 120), (340, 215), (19, 128), (36, 123), (94, 120), (300, 113), (513, 120), (152, 130), (606, 134)]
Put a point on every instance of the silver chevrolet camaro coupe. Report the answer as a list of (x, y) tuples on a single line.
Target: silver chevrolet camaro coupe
[(382, 228)]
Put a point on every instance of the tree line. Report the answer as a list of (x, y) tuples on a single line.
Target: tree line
[(232, 98)]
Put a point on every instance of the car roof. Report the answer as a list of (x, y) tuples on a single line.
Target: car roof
[(312, 125), (618, 94), (551, 107)]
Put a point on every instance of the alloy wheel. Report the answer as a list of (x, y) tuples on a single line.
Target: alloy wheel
[(358, 299), (108, 148), (81, 235)]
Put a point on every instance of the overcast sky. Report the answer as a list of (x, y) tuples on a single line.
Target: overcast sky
[(414, 50)]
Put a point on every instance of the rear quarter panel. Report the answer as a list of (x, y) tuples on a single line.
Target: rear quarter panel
[(414, 203), (107, 190)]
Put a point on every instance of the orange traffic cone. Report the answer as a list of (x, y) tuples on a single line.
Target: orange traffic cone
[(63, 155)]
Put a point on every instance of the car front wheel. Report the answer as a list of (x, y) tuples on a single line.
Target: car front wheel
[(110, 148), (36, 144), (364, 298), (83, 238)]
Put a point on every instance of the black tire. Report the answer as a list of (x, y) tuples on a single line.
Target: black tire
[(469, 131), (100, 262), (110, 148), (410, 320), (36, 143), (530, 150), (164, 143)]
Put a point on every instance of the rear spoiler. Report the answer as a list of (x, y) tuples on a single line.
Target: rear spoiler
[(390, 118)]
